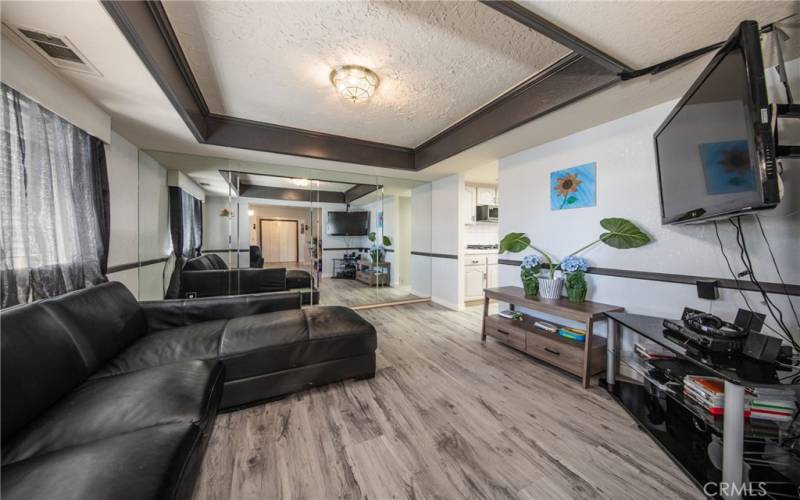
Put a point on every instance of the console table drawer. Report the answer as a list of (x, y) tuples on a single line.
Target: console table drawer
[(556, 352), (511, 335)]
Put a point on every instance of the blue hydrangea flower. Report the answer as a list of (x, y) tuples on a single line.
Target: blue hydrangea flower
[(572, 264), (530, 262)]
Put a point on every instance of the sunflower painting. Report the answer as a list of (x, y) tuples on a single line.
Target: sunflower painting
[(573, 187)]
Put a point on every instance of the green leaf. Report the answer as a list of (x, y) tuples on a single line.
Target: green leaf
[(622, 234), (571, 200), (386, 241), (514, 243), (371, 237)]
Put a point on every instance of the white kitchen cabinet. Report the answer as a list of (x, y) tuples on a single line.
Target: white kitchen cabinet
[(487, 195), (491, 276), (473, 282), (470, 202)]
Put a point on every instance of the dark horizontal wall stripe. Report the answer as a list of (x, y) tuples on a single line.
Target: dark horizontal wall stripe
[(685, 279), (224, 250), (134, 265), (435, 255), (363, 249)]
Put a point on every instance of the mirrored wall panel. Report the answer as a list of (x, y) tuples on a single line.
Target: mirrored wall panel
[(225, 227)]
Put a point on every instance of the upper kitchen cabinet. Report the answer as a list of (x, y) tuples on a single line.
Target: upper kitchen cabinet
[(487, 195)]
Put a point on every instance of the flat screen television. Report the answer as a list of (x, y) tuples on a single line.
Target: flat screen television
[(348, 223), (715, 150)]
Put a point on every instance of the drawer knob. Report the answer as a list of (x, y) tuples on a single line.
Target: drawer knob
[(551, 351)]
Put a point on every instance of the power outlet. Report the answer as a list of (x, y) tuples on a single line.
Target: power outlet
[(708, 289)]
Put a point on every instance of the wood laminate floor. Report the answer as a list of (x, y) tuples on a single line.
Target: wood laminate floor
[(352, 293), (445, 417)]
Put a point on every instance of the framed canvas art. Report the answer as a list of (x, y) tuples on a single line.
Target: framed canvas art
[(574, 187)]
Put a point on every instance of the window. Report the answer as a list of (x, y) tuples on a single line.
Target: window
[(54, 212)]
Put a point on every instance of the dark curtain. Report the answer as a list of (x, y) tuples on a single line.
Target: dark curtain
[(54, 203), (186, 231)]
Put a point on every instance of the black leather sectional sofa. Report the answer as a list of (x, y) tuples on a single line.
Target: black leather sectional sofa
[(104, 397), (209, 276)]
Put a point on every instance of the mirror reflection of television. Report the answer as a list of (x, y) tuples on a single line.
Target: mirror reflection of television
[(348, 223), (715, 151)]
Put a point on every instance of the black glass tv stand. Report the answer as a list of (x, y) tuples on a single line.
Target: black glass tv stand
[(726, 457)]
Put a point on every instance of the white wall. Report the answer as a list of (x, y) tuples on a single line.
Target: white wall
[(421, 240), (447, 276), (123, 184), (154, 237), (403, 246), (29, 73), (627, 187)]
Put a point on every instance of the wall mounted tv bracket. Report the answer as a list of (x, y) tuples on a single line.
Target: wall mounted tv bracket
[(784, 111)]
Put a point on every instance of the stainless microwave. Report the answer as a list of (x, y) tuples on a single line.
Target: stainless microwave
[(486, 213)]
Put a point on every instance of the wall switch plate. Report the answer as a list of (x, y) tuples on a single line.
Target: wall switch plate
[(708, 289)]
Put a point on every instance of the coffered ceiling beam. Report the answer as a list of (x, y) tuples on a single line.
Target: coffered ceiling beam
[(570, 79), (359, 191), (148, 30), (527, 18), (289, 194)]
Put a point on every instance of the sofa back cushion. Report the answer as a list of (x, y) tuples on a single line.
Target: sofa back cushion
[(207, 262), (40, 364), (102, 319)]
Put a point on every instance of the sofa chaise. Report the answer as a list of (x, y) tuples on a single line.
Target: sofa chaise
[(105, 397)]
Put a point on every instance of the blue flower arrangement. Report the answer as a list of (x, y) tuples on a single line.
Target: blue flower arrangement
[(531, 262), (529, 271), (572, 264)]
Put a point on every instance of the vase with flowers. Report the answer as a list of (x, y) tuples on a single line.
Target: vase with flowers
[(529, 274), (620, 233), (575, 281)]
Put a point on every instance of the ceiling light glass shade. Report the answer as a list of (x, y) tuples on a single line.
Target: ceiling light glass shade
[(301, 182), (354, 83)]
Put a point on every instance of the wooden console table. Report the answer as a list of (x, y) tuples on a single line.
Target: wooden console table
[(583, 359)]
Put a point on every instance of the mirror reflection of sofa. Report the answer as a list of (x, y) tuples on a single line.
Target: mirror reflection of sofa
[(209, 276)]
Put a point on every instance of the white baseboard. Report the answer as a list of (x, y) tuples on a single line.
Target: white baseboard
[(448, 304)]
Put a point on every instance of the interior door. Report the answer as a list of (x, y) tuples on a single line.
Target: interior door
[(279, 240)]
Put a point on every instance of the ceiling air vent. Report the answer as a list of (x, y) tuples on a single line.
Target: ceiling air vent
[(57, 49)]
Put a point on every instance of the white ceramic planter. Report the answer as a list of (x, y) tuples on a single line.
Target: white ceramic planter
[(550, 288)]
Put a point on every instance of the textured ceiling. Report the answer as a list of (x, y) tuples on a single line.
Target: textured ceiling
[(642, 33), (438, 62)]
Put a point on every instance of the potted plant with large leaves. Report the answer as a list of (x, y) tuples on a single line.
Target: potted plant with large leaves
[(376, 251), (619, 233)]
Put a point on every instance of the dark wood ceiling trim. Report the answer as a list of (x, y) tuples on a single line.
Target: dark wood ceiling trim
[(524, 16), (289, 194), (573, 77), (145, 27), (248, 134), (359, 191)]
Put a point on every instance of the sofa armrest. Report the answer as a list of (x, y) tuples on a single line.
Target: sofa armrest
[(172, 313)]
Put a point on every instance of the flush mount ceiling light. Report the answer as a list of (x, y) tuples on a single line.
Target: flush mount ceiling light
[(301, 182), (354, 83)]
